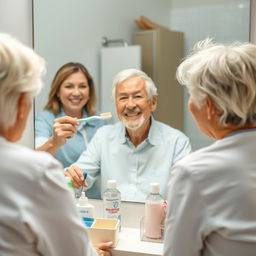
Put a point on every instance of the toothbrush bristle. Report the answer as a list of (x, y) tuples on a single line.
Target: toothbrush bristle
[(105, 115)]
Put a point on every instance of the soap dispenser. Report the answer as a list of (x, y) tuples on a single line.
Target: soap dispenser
[(154, 213)]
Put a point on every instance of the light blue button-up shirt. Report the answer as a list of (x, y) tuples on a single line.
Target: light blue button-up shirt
[(111, 155), (70, 152)]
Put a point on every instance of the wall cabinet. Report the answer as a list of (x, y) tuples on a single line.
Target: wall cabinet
[(162, 51)]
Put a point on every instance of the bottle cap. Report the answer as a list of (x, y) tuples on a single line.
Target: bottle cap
[(83, 200), (111, 183), (154, 188), (68, 178)]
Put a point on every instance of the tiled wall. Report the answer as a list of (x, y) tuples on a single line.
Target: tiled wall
[(225, 21), (75, 32)]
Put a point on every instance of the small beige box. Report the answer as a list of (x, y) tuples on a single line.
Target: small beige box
[(104, 230)]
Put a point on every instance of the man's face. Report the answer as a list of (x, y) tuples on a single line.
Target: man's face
[(132, 104)]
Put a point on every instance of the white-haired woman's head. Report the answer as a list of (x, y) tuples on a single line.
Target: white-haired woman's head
[(128, 73), (20, 72), (225, 73)]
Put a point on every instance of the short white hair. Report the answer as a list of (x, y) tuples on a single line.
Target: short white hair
[(225, 73), (20, 72), (128, 73)]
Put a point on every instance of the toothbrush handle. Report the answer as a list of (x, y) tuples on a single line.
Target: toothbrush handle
[(81, 189), (87, 119)]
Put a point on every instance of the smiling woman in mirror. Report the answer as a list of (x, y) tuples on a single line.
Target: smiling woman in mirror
[(72, 96)]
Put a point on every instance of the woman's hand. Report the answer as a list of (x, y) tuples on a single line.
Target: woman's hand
[(63, 128), (77, 176), (103, 248)]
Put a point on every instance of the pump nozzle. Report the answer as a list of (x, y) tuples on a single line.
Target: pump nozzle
[(83, 200)]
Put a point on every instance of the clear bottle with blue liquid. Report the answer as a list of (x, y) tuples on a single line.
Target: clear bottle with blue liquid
[(112, 201)]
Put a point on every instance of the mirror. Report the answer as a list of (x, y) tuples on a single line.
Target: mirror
[(72, 31)]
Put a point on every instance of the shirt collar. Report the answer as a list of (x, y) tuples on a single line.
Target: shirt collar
[(122, 134), (240, 131), (152, 135)]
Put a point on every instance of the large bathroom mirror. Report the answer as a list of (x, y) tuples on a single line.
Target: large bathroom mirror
[(73, 30)]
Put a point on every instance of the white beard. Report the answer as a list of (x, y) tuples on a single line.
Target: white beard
[(136, 126)]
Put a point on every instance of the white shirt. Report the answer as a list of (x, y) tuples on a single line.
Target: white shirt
[(212, 200), (37, 210), (111, 155)]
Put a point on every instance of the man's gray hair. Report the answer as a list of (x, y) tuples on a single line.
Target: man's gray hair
[(225, 73), (128, 73), (20, 72)]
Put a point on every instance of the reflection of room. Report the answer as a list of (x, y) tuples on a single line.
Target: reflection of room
[(19, 25), (199, 19), (79, 32)]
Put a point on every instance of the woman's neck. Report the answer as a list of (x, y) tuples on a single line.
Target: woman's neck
[(224, 131)]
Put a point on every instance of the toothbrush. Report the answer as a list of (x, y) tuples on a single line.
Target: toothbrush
[(103, 116), (81, 189)]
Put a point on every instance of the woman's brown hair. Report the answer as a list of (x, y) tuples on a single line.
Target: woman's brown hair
[(62, 74)]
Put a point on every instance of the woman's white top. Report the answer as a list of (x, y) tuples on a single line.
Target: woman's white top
[(212, 200), (37, 210)]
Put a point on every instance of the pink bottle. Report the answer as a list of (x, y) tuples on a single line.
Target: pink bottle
[(154, 213)]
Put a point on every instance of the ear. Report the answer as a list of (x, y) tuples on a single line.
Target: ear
[(211, 108), (21, 106), (153, 103)]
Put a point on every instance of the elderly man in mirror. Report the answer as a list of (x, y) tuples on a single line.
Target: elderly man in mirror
[(137, 150)]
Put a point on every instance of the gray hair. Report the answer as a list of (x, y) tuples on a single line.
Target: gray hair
[(225, 73), (127, 73), (20, 72)]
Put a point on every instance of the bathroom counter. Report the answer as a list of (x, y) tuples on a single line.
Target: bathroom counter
[(130, 244)]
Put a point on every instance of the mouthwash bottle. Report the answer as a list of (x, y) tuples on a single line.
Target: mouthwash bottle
[(112, 201)]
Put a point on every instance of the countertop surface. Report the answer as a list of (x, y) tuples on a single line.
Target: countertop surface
[(130, 244)]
